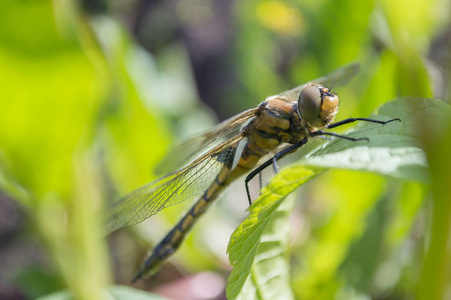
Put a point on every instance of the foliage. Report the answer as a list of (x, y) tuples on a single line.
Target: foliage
[(258, 247), (87, 113), (116, 292), (393, 150)]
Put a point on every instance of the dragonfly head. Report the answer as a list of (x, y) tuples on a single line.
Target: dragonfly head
[(317, 106)]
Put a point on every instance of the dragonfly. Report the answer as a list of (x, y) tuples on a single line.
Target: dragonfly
[(244, 144)]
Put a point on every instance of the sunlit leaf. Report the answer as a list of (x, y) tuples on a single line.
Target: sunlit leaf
[(116, 293), (49, 108), (393, 150), (435, 271), (258, 247), (123, 292)]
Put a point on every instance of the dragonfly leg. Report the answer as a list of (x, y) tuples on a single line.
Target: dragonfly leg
[(351, 120), (260, 179), (272, 161), (321, 132), (274, 164), (294, 147)]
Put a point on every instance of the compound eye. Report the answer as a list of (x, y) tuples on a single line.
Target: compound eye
[(309, 103)]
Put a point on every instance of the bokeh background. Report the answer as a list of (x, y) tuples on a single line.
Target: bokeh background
[(93, 94)]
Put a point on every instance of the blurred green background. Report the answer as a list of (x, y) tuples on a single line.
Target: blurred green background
[(93, 93)]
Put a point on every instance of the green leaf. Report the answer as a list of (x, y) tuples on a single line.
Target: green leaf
[(47, 125), (258, 247), (434, 281), (116, 293), (123, 292), (394, 149)]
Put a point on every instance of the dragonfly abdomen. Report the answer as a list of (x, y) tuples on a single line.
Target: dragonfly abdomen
[(174, 238)]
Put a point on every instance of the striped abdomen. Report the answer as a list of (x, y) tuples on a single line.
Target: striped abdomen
[(275, 123), (174, 238)]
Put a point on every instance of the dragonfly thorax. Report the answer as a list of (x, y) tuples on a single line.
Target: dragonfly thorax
[(276, 122), (317, 106)]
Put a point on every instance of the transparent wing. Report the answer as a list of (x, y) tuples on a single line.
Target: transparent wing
[(339, 77), (174, 188), (197, 146)]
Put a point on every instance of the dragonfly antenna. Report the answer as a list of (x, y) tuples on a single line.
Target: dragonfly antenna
[(333, 84)]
